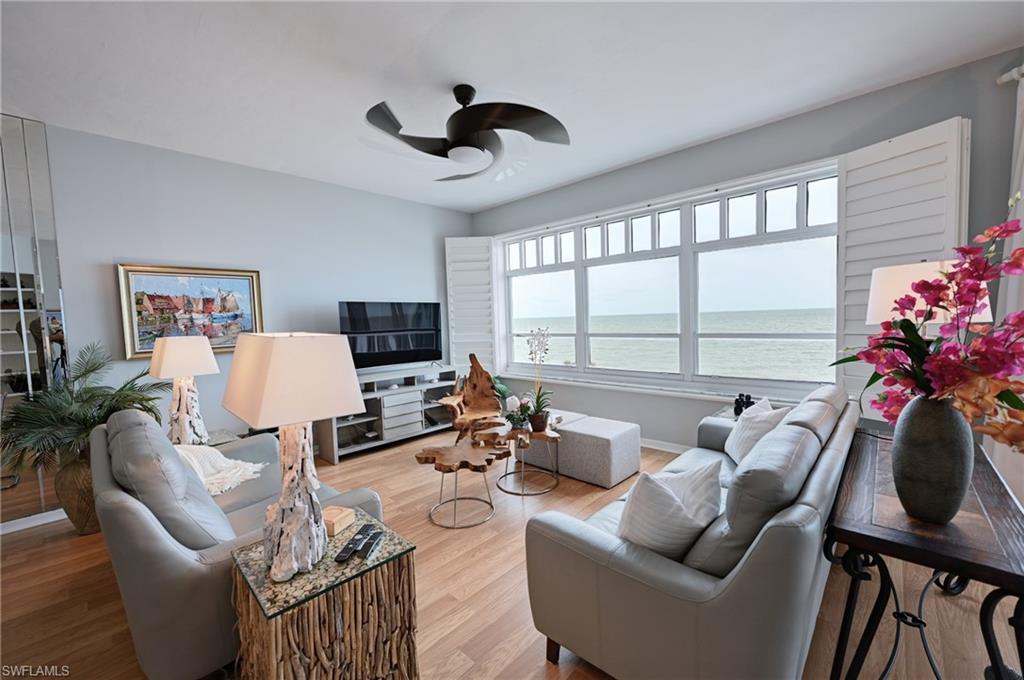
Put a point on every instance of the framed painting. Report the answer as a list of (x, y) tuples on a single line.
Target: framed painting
[(159, 301)]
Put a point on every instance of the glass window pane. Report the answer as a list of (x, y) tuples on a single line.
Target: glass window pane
[(561, 351), (592, 242), (640, 232), (705, 222), (780, 209), (769, 359), (616, 238), (513, 256), (530, 252), (547, 250), (748, 290), (636, 354), (668, 229), (634, 297), (544, 301), (743, 216), (567, 246), (822, 201)]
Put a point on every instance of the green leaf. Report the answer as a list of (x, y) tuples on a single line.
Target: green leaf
[(845, 360), (1011, 399)]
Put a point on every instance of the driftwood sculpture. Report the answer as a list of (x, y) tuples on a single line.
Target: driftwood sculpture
[(473, 403), (187, 426)]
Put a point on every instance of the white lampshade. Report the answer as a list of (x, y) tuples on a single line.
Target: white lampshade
[(182, 356), (287, 378), (890, 283)]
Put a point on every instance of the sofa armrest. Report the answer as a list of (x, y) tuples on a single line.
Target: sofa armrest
[(260, 448), (712, 432)]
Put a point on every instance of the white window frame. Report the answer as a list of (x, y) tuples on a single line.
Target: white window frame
[(688, 378)]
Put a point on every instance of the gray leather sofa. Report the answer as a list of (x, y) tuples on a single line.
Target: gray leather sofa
[(743, 602), (170, 542)]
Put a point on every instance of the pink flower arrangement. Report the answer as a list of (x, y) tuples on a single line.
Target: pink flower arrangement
[(968, 362)]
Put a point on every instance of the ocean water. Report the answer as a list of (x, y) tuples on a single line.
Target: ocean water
[(780, 359)]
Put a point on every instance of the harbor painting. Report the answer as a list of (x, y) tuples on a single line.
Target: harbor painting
[(171, 301)]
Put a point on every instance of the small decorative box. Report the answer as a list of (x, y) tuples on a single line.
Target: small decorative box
[(337, 518)]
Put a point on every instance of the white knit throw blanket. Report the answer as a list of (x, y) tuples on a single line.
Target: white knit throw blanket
[(218, 473)]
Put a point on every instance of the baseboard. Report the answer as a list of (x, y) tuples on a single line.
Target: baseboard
[(31, 521), (671, 447)]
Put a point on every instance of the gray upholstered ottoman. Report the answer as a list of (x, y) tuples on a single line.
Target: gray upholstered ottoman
[(599, 451)]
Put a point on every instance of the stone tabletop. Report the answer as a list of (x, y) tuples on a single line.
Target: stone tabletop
[(277, 598)]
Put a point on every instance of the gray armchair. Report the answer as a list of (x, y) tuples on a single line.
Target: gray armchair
[(731, 608), (171, 547)]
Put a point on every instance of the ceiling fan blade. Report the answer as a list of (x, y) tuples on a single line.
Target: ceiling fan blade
[(538, 124), (491, 142), (382, 118)]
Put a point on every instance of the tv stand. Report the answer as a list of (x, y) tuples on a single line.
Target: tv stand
[(399, 404)]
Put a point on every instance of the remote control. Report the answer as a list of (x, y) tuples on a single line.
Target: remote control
[(370, 546), (355, 543)]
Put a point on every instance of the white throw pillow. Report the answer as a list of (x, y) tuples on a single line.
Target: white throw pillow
[(668, 513), (754, 423)]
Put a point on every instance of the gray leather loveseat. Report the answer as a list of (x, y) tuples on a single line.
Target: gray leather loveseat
[(743, 602), (170, 542)]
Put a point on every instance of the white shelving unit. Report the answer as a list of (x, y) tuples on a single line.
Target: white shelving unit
[(399, 404)]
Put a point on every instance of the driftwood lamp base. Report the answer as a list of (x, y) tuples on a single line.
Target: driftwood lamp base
[(363, 629), (187, 425)]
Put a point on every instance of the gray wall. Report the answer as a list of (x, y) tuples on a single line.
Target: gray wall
[(313, 243), (968, 91)]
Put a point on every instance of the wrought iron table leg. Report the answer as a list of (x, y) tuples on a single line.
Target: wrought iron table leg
[(998, 670)]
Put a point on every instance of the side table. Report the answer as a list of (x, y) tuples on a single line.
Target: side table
[(475, 454), (984, 542), (520, 440), (347, 621)]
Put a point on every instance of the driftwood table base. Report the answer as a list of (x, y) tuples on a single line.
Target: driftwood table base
[(363, 629)]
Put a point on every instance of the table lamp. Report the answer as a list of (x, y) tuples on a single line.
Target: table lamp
[(286, 380), (890, 283), (182, 358)]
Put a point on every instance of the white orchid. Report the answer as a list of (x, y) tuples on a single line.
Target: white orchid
[(512, 404)]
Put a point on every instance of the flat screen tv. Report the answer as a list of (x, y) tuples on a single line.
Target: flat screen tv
[(383, 333)]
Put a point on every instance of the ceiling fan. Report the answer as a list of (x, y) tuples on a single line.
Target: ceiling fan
[(470, 131)]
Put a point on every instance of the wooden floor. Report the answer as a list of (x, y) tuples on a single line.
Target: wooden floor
[(59, 602)]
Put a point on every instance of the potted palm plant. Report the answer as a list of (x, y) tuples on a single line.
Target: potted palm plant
[(51, 428)]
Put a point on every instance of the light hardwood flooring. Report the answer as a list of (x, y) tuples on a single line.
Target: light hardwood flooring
[(59, 602)]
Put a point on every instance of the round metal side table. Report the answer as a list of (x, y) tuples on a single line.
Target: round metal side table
[(466, 454), (523, 439)]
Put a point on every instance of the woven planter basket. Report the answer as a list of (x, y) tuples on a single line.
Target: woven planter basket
[(73, 484)]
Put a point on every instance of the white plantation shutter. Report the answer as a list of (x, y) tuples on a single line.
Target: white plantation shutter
[(901, 201), (471, 300)]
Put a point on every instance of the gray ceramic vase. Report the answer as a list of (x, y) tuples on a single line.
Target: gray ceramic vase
[(932, 459)]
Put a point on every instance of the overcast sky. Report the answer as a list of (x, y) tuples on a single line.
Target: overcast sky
[(793, 275)]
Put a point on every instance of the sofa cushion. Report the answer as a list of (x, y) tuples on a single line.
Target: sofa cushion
[(750, 427), (820, 417), (607, 518), (695, 458), (145, 464), (831, 394), (768, 480), (666, 513)]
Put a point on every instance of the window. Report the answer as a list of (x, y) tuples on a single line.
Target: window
[(616, 238), (771, 321), (567, 246), (640, 233), (668, 229), (717, 289), (592, 242), (743, 216), (705, 222), (547, 250), (544, 300), (634, 315)]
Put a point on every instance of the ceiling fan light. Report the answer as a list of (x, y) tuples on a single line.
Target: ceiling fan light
[(467, 155)]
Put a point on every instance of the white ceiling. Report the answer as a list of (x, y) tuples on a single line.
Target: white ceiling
[(285, 86)]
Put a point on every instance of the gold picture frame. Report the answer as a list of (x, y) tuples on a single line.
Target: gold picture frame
[(158, 300)]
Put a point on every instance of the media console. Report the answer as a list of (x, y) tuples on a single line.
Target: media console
[(399, 404)]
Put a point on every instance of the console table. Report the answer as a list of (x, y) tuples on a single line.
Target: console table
[(984, 542)]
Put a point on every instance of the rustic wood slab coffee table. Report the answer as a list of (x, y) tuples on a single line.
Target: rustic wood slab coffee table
[(340, 621), (984, 542), (475, 454)]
